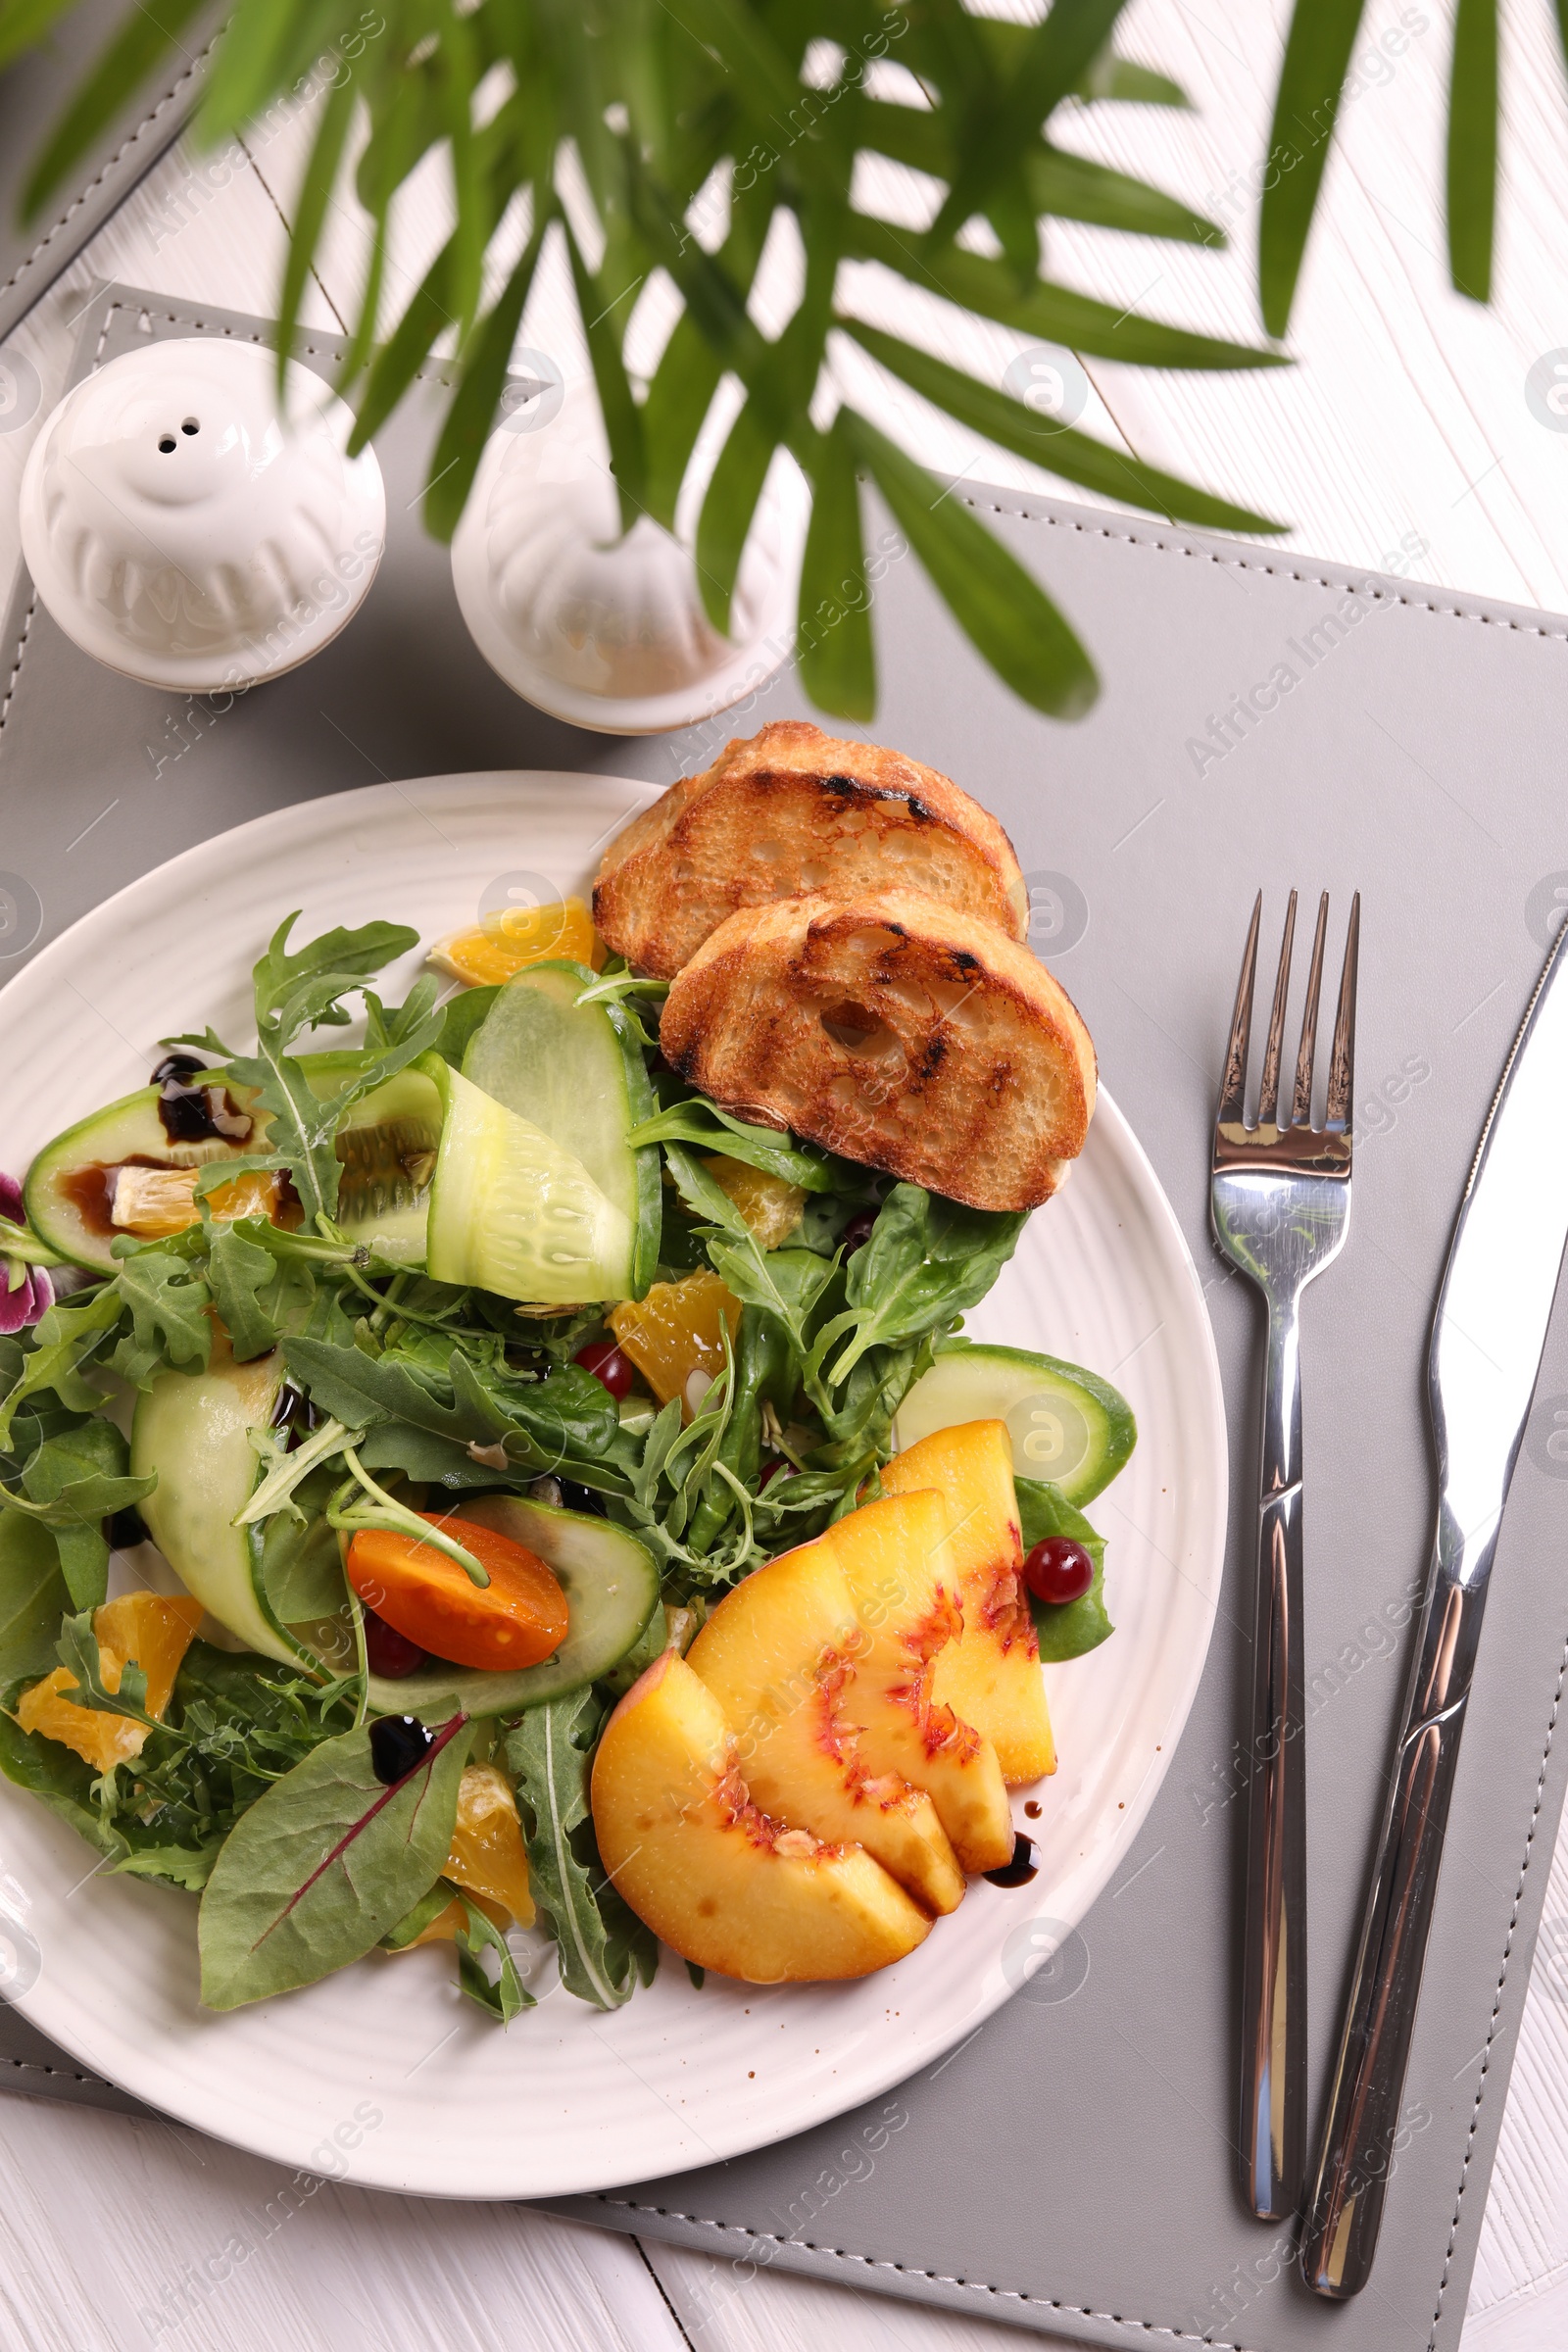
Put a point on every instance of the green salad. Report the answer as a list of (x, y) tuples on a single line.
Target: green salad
[(490, 1282)]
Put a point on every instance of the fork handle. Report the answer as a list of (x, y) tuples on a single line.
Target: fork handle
[(1272, 2150)]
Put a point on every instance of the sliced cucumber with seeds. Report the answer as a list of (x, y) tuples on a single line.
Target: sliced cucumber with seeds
[(192, 1432), (611, 1590), (577, 1072), (387, 1145), (515, 1212), (1068, 1427), (68, 1196)]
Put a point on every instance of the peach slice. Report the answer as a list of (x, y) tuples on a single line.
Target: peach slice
[(898, 1563), (779, 1654), (712, 1875), (991, 1675)]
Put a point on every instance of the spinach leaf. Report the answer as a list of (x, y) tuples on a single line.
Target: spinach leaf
[(33, 1600), (301, 1566), (323, 1865), (602, 1945), (63, 1341), (462, 1015), (60, 1780), (71, 1486), (927, 1260), (1065, 1629), (700, 1122)]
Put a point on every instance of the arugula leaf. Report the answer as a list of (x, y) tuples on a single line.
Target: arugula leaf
[(238, 1270), (167, 1302), (411, 1926), (786, 1282), (305, 990), (567, 1421), (508, 1995), (323, 1865), (1066, 1629), (602, 1945)]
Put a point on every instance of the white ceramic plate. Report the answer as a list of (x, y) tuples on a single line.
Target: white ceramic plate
[(385, 2064)]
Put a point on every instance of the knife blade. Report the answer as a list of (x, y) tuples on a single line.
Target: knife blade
[(1487, 1333)]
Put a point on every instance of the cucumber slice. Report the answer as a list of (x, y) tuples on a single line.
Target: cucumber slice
[(1067, 1426), (387, 1145), (512, 1211), (67, 1204), (191, 1431), (611, 1588), (578, 1071)]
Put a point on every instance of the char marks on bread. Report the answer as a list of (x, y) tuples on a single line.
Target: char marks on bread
[(791, 811), (895, 1030)]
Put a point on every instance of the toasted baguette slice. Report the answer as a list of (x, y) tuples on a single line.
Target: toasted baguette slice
[(790, 810), (895, 1031)]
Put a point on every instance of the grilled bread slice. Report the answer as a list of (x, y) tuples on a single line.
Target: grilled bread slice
[(896, 1031), (790, 810)]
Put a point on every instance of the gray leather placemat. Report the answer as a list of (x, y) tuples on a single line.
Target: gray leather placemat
[(33, 93), (1071, 2166)]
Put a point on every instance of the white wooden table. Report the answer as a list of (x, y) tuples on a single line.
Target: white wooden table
[(1405, 423)]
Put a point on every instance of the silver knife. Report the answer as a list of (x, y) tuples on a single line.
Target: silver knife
[(1487, 1339)]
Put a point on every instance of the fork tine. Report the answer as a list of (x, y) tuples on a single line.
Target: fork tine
[(1268, 1092), (1233, 1086), (1301, 1100), (1341, 1069)]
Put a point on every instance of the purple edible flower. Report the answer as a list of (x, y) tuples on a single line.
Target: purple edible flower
[(34, 1294)]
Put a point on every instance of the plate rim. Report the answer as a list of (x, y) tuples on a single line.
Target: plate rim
[(192, 2104)]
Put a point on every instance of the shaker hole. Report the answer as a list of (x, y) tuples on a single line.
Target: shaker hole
[(192, 424), (167, 443)]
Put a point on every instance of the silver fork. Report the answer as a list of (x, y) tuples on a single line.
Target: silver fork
[(1280, 1200)]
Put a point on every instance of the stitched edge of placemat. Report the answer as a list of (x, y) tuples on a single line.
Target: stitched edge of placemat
[(1382, 589), (171, 96)]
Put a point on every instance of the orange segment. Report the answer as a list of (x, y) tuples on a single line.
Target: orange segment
[(770, 1206), (447, 1924), (518, 1619), (488, 1857), (151, 1203), (501, 944), (676, 1331), (144, 1628)]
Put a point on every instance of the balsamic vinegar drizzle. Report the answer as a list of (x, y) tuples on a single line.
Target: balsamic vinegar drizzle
[(1020, 1870), (192, 1113)]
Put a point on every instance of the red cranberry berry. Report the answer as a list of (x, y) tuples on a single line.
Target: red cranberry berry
[(603, 1360), (777, 1468), (1059, 1570), (387, 1651), (857, 1232)]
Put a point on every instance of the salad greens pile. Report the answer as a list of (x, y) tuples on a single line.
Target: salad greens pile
[(400, 1393)]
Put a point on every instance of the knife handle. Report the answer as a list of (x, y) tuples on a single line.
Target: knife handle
[(1272, 2148), (1340, 2232)]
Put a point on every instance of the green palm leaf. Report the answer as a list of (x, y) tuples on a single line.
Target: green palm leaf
[(833, 646), (1075, 456), (1472, 181), (1317, 56), (1001, 608)]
